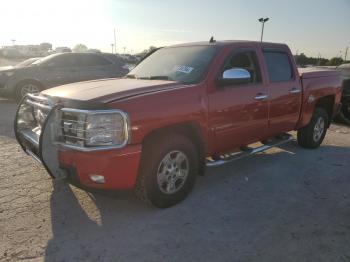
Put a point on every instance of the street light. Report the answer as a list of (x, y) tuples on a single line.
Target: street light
[(263, 21)]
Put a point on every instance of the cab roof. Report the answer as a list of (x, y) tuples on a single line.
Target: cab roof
[(231, 42)]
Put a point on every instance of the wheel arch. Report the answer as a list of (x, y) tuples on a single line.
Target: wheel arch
[(191, 130), (327, 103)]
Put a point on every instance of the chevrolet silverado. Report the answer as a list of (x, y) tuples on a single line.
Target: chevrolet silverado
[(181, 109)]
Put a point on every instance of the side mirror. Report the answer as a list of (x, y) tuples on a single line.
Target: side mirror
[(235, 76)]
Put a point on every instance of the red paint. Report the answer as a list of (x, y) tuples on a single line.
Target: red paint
[(119, 167), (228, 117)]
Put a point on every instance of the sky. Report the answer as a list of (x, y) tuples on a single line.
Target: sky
[(310, 26)]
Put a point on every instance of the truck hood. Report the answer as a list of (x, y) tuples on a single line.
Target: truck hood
[(107, 90)]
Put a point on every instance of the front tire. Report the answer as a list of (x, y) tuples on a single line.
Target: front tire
[(312, 135), (169, 166)]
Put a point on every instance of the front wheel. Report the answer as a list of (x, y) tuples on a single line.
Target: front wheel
[(168, 170), (312, 135)]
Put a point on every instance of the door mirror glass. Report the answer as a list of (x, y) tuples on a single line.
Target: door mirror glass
[(235, 76)]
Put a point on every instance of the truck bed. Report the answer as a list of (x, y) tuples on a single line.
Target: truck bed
[(314, 72)]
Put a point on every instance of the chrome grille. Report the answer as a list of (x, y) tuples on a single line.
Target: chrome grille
[(73, 128)]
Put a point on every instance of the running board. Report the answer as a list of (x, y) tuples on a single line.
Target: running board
[(248, 151)]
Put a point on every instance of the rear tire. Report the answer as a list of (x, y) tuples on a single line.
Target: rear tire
[(168, 170), (312, 135)]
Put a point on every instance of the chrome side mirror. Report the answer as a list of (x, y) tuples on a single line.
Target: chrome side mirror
[(235, 76)]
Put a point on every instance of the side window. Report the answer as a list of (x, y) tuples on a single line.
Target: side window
[(93, 60), (278, 66), (59, 61), (245, 60)]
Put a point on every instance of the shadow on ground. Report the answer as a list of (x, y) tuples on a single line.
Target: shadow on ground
[(283, 205)]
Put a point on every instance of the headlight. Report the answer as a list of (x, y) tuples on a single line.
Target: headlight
[(94, 128), (106, 129)]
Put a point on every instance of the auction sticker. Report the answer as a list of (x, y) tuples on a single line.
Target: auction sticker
[(183, 69)]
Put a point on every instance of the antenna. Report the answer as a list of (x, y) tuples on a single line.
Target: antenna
[(212, 40)]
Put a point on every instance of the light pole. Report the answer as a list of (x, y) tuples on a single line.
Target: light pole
[(346, 53), (263, 21)]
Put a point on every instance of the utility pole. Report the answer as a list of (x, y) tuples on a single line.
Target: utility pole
[(263, 21), (112, 45), (115, 42)]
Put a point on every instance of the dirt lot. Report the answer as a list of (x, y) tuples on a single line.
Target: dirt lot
[(287, 204)]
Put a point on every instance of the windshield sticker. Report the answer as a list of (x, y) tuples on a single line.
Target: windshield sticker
[(183, 69)]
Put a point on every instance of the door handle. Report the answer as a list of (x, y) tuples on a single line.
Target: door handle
[(261, 97), (294, 90)]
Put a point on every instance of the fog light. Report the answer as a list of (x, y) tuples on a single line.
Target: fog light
[(97, 178)]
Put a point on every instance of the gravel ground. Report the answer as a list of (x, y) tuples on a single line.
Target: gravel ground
[(287, 204)]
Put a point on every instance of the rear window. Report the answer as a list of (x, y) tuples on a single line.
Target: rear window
[(278, 66)]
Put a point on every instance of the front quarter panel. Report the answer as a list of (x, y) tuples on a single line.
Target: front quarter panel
[(150, 112)]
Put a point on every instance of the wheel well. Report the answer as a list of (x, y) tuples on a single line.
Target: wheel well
[(191, 130), (29, 81), (327, 103)]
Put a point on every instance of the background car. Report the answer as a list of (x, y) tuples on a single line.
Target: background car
[(59, 69), (344, 114)]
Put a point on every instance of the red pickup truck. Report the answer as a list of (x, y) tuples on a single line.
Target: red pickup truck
[(182, 108)]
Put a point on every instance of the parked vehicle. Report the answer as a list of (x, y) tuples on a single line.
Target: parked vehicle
[(58, 69), (344, 114), (180, 109), (27, 62)]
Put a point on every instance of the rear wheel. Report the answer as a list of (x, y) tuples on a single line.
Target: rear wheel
[(313, 134), (168, 170), (27, 87)]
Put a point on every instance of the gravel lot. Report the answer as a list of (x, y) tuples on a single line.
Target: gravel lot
[(287, 204)]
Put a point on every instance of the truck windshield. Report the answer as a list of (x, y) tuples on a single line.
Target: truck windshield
[(185, 64)]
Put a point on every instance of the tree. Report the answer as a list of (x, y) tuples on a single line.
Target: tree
[(46, 46), (335, 61), (80, 48)]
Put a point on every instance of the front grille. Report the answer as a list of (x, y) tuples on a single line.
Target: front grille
[(73, 128)]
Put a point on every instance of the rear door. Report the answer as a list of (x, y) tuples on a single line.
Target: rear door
[(284, 91), (238, 113)]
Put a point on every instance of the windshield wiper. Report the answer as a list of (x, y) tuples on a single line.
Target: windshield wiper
[(157, 78)]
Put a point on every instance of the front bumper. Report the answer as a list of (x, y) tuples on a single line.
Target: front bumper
[(118, 166)]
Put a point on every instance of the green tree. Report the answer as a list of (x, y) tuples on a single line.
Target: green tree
[(80, 48), (335, 61)]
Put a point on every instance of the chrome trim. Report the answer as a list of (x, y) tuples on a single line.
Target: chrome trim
[(33, 155), (252, 151), (29, 136), (36, 104), (87, 149), (236, 73), (127, 128), (261, 97), (294, 91)]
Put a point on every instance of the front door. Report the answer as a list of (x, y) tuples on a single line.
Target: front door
[(238, 113)]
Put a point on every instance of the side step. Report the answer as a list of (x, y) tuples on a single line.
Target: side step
[(248, 151)]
